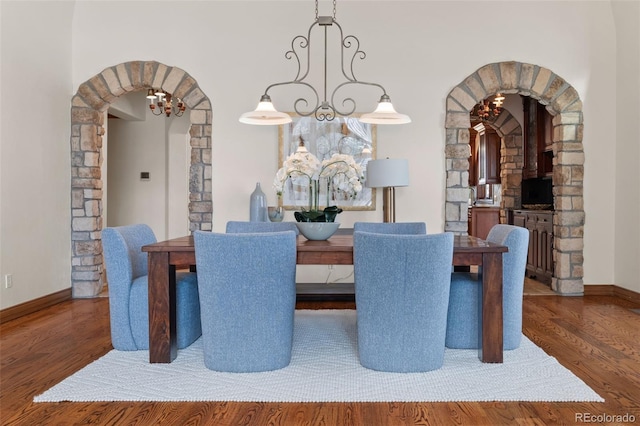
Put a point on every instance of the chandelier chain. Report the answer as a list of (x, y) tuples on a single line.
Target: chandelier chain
[(334, 10)]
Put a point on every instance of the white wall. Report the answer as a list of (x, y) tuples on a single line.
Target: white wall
[(35, 57), (627, 172), (419, 50), (135, 147)]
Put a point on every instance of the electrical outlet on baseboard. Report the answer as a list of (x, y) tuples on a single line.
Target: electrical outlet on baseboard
[(8, 281)]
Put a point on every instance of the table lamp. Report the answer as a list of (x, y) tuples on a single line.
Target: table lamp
[(388, 174)]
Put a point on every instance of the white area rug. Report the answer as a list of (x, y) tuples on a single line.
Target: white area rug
[(324, 367)]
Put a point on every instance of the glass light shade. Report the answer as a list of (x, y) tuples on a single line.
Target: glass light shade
[(385, 113), (150, 94), (265, 114), (387, 172)]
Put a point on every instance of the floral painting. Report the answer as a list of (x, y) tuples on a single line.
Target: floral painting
[(345, 136)]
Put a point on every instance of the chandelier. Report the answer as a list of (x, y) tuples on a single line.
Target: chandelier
[(164, 104), (488, 110), (324, 109)]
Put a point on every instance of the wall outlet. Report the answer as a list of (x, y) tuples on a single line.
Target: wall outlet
[(8, 281)]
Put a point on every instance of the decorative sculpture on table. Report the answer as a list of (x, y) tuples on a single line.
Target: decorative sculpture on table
[(258, 205)]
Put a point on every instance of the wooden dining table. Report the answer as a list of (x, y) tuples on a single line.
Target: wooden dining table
[(165, 256)]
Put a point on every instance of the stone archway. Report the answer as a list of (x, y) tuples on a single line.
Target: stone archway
[(87, 119), (563, 102)]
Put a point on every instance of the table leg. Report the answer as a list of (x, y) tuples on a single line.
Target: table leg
[(162, 309), (492, 337)]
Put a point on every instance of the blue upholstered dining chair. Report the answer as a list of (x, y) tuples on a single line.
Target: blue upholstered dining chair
[(402, 294), (127, 268), (235, 227), (247, 296), (391, 227), (464, 323)]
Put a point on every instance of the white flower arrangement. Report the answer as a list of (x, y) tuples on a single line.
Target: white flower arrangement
[(340, 171), (344, 173)]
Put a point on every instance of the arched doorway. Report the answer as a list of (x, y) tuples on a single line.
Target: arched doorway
[(87, 119), (562, 101)]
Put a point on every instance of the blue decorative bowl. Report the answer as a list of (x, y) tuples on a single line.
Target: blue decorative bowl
[(317, 231)]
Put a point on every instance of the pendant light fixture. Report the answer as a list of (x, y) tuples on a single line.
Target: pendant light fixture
[(164, 104), (488, 110), (324, 109)]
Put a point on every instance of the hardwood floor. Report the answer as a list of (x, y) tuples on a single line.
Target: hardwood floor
[(536, 288), (596, 337)]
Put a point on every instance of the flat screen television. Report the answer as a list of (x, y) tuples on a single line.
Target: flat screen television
[(537, 191)]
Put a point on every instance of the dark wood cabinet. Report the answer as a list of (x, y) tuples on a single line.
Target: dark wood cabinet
[(520, 220), (473, 159), (540, 255), (492, 164), (545, 142), (529, 109), (484, 163), (538, 139), (482, 220)]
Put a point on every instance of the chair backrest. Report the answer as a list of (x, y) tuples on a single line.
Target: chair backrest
[(247, 288), (238, 227), (122, 251), (514, 262), (417, 260), (256, 260), (124, 262), (409, 228), (402, 285)]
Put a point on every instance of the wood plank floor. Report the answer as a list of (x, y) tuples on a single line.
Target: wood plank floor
[(597, 337), (536, 288)]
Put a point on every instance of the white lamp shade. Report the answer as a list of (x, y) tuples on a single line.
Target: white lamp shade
[(265, 114), (385, 113), (387, 172)]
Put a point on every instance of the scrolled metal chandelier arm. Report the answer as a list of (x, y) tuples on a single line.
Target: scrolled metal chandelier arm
[(352, 77), (304, 44), (299, 100), (347, 43)]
